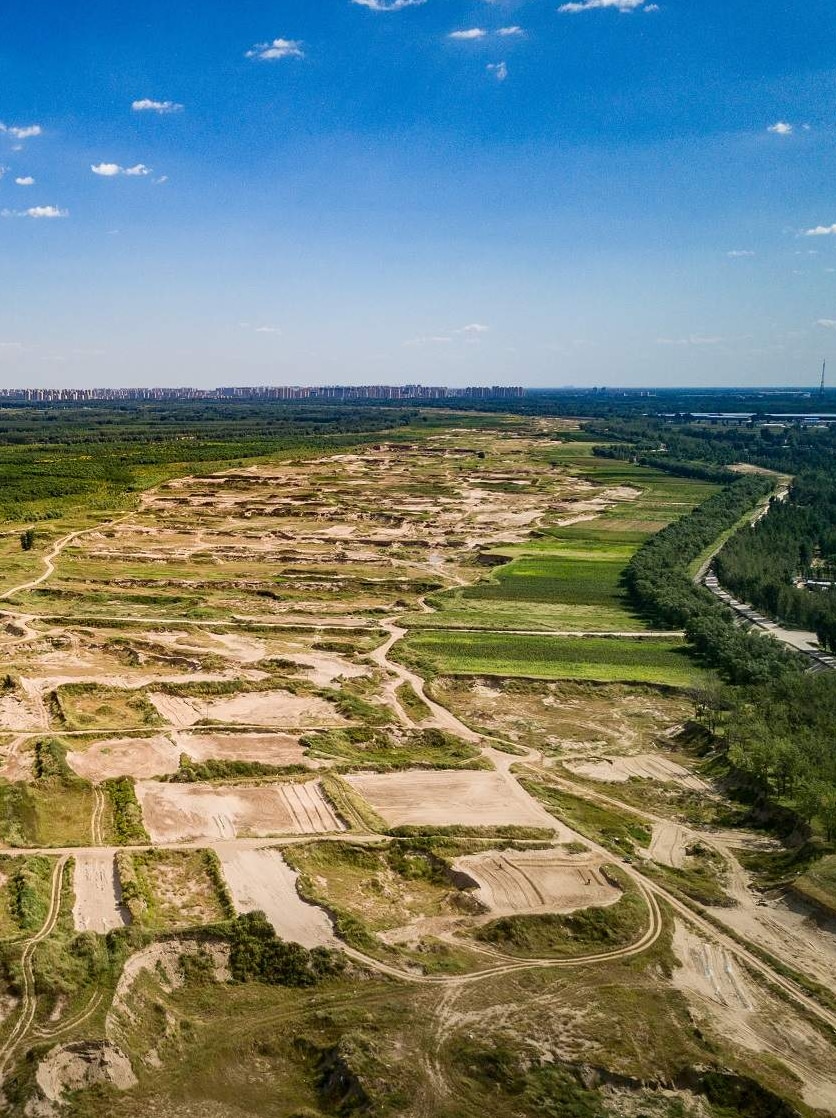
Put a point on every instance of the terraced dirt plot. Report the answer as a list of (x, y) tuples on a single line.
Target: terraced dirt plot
[(268, 749), (538, 881), (258, 708), (98, 894), (439, 799), (645, 766), (138, 757), (175, 813), (261, 880)]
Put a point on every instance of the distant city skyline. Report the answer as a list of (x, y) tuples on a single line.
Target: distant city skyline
[(451, 192)]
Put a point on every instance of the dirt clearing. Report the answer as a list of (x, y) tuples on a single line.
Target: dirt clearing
[(75, 1067), (645, 766), (269, 749), (194, 812), (475, 799), (256, 708), (142, 758), (537, 881), (262, 880), (667, 847), (98, 894)]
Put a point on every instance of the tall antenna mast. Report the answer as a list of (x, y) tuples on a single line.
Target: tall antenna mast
[(821, 386)]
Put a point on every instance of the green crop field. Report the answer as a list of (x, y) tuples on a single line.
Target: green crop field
[(608, 659)]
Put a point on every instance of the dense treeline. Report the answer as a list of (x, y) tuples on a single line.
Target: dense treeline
[(796, 539), (780, 735), (660, 581)]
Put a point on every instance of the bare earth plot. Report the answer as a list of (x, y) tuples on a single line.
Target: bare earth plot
[(269, 749), (176, 813), (537, 881), (668, 844), (98, 894), (142, 758), (475, 799), (262, 880), (259, 708), (646, 766)]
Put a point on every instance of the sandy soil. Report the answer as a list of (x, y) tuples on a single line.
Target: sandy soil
[(138, 757), (645, 766), (75, 1067), (726, 1003), (269, 749), (194, 812), (537, 881), (668, 844), (439, 798), (98, 894), (262, 880), (256, 708)]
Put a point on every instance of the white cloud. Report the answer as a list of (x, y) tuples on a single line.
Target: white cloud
[(506, 31), (267, 330), (387, 5), (279, 48), (162, 179), (498, 69), (25, 180), (36, 212), (821, 231), (21, 133), (146, 105), (109, 170), (470, 33), (691, 340), (737, 252), (474, 328), (651, 8), (780, 128), (828, 323), (590, 5)]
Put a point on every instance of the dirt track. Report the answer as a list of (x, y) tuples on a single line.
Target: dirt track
[(537, 881)]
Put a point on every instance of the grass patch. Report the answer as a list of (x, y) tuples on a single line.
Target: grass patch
[(607, 659), (818, 883), (363, 748), (169, 890), (617, 830), (412, 702), (91, 706), (27, 885)]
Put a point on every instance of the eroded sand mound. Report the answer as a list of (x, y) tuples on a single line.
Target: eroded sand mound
[(537, 881), (194, 812), (74, 1067)]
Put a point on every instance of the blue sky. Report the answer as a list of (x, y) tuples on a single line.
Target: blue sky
[(451, 191)]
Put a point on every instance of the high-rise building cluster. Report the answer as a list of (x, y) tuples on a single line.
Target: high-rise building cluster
[(266, 392)]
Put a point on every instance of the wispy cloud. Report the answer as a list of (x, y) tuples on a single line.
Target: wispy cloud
[(591, 5), (780, 128), (387, 5), (260, 329), (508, 31), (25, 180), (469, 34), (278, 49), (498, 69), (738, 252), (821, 231), (827, 323), (474, 328), (691, 340), (147, 105), (21, 132), (36, 212), (109, 170)]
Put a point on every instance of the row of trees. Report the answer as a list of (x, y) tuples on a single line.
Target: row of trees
[(660, 581), (797, 538)]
